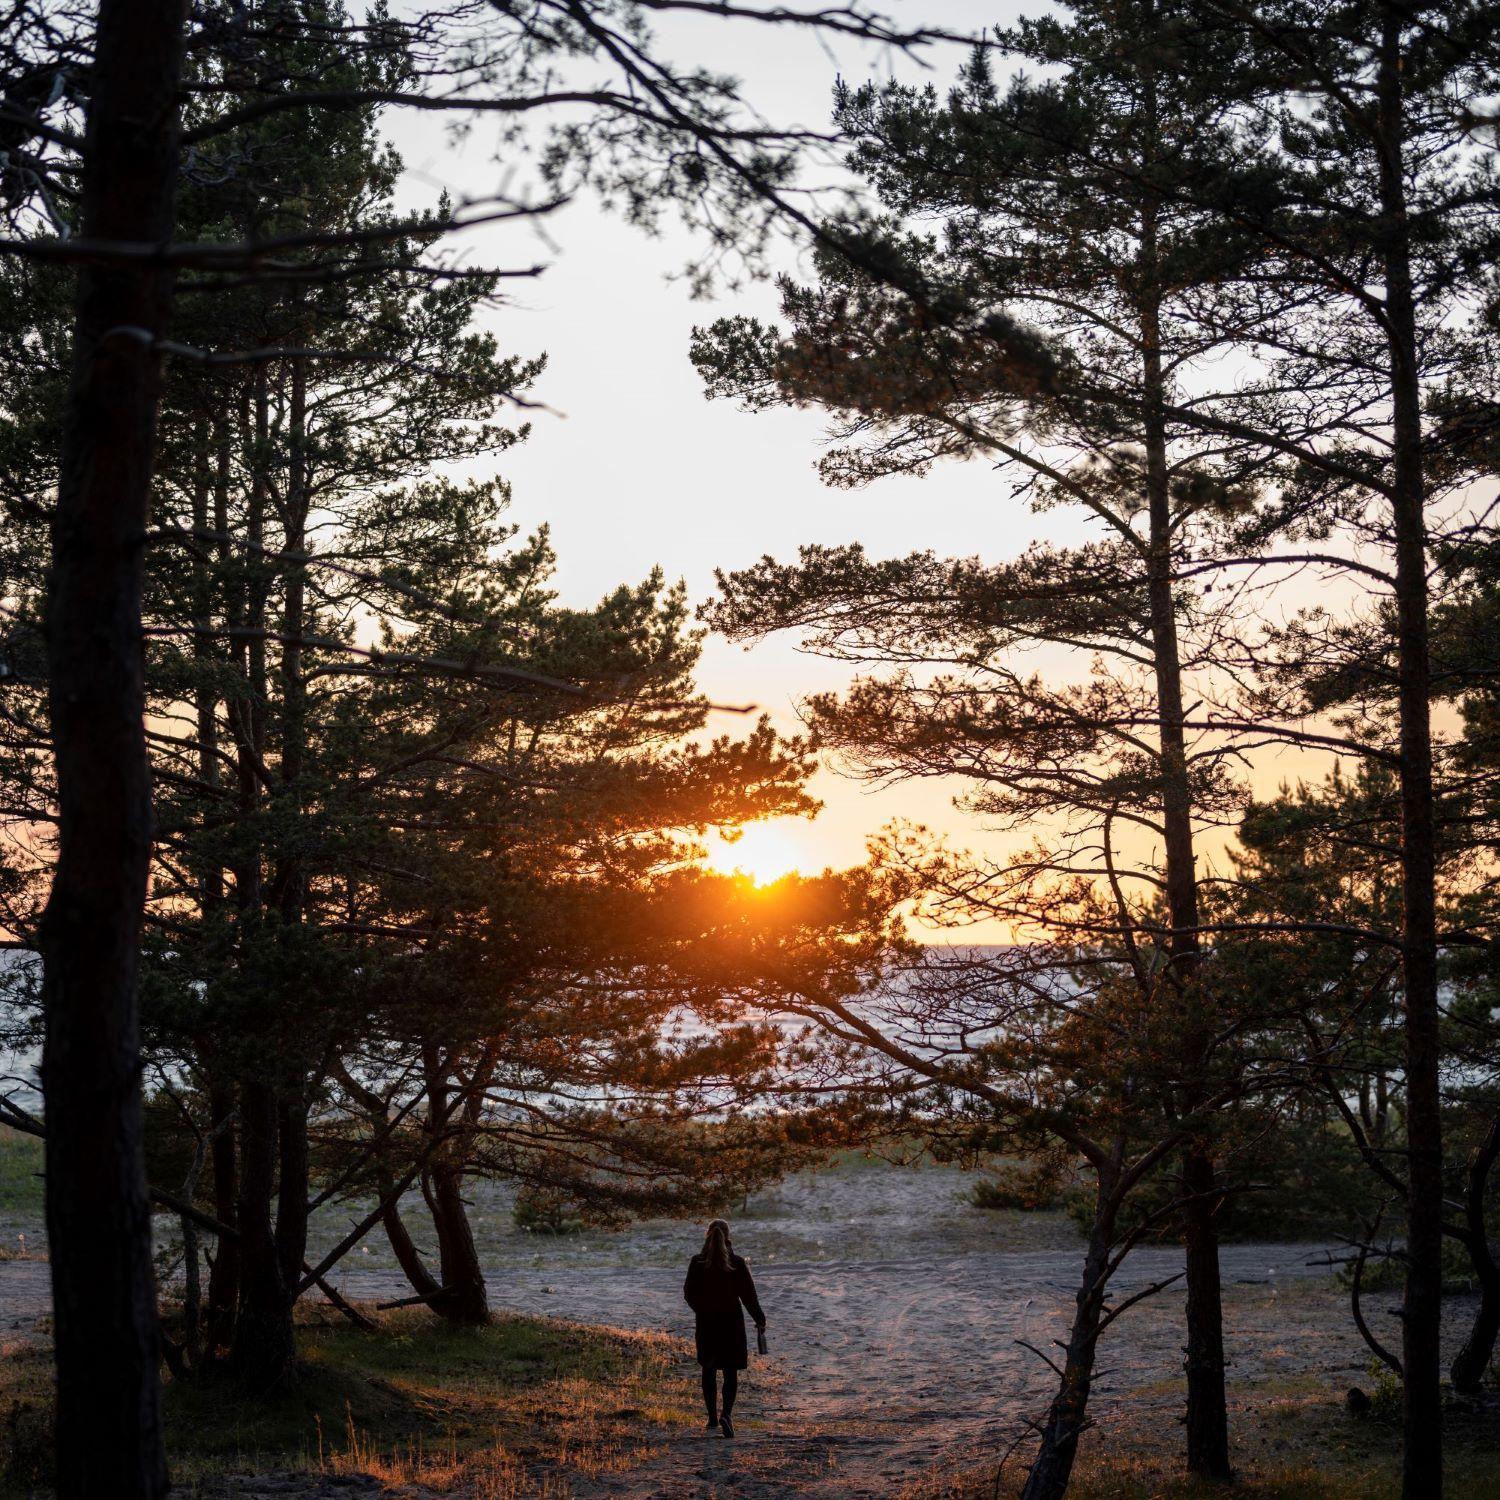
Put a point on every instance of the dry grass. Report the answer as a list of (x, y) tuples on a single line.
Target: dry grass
[(485, 1474), (25, 1415), (497, 1413), (1291, 1441)]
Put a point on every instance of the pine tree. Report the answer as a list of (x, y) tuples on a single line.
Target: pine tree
[(1054, 234), (1362, 165)]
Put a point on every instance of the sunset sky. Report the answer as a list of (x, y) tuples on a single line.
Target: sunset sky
[(638, 468)]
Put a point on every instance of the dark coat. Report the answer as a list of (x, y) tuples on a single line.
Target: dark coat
[(716, 1296)]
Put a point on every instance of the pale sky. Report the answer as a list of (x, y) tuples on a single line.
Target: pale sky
[(640, 469)]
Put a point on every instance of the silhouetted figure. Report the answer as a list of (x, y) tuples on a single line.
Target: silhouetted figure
[(718, 1281)]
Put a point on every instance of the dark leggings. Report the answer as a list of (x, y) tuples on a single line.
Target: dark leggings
[(731, 1390)]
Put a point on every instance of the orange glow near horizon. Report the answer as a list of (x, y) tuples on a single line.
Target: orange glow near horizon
[(763, 853)]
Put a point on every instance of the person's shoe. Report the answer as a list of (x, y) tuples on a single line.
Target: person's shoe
[(713, 1423), (726, 1426)]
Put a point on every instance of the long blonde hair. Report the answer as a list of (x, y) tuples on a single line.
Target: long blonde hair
[(716, 1246)]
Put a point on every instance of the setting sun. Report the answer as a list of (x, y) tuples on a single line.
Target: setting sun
[(764, 852)]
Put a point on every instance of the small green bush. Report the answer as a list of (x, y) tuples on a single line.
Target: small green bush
[(1026, 1186), (545, 1211), (1385, 1400), (1300, 1180), (1387, 1273)]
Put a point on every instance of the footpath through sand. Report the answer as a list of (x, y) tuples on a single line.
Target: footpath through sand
[(896, 1314), (883, 1372)]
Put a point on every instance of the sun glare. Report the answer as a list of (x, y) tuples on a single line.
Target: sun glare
[(763, 852)]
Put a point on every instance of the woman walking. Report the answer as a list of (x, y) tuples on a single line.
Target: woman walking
[(718, 1281)]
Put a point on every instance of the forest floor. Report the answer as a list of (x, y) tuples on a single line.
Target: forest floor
[(895, 1311)]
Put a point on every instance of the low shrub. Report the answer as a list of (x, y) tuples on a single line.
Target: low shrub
[(545, 1211), (1025, 1186)]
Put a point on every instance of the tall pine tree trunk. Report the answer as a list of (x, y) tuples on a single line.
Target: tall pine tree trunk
[(210, 483), (224, 1278), (263, 1351), (205, 696), (1422, 1462), (108, 1420), (1207, 1415), (289, 881), (291, 1193), (1207, 1408)]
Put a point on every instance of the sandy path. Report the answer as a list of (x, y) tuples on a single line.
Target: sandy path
[(882, 1369), (894, 1312)]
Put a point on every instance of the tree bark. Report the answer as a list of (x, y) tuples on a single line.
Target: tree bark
[(224, 1278), (403, 1247), (289, 877), (108, 1419), (210, 489), (1473, 1358), (1053, 1466), (408, 1257), (1478, 1348), (263, 1352), (1422, 1457), (291, 1193), (1207, 1416), (465, 1298), (205, 698), (1207, 1410)]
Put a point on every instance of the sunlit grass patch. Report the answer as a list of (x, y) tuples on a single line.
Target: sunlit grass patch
[(421, 1402), (508, 1410)]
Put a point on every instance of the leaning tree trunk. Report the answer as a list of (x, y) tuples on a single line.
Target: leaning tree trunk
[(464, 1299), (1053, 1465), (1478, 1348), (1422, 1453), (1473, 1358), (404, 1248), (108, 1422), (1207, 1409)]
